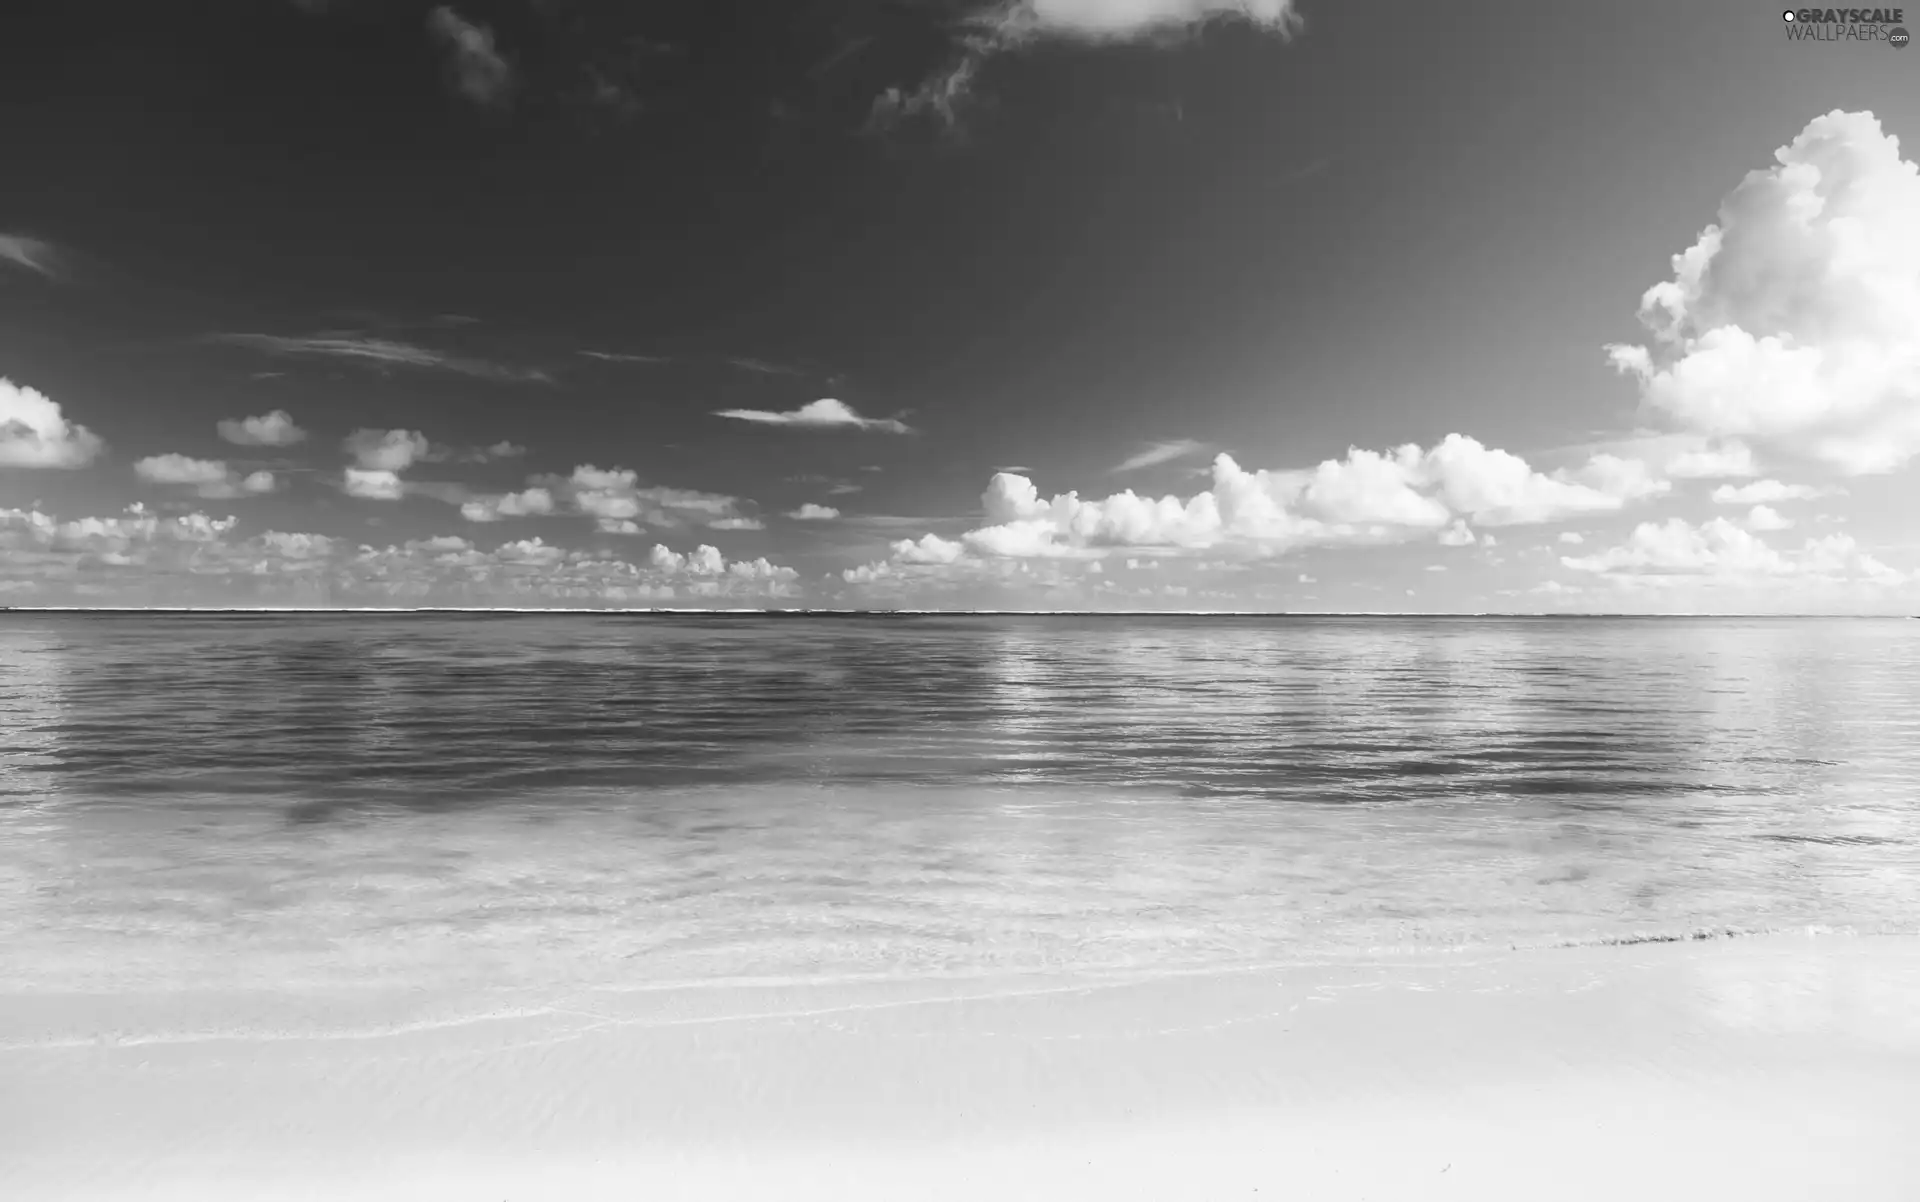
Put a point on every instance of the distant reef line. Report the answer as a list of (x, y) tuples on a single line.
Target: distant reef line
[(665, 612)]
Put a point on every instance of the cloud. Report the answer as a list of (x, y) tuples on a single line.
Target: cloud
[(619, 504), (274, 429), (1126, 20), (178, 469), (387, 450), (1717, 462), (616, 357), (1572, 538), (489, 454), (1366, 497), (34, 433), (374, 484), (1762, 517), (929, 549), (939, 96), (140, 557), (996, 27), (1718, 550), (706, 561), (1157, 453), (1794, 321), (527, 503), (383, 352), (209, 477), (31, 253), (822, 414), (1763, 491), (1457, 535), (811, 512), (762, 367), (475, 67), (109, 538)]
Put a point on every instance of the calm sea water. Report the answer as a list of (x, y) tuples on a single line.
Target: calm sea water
[(524, 801)]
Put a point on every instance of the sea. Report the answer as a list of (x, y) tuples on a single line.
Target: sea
[(525, 802)]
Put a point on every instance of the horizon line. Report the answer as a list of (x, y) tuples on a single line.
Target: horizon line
[(805, 612)]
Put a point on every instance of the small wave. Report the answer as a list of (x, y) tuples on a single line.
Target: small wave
[(1701, 935)]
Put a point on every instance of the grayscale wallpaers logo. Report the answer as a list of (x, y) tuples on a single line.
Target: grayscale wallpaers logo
[(1847, 25)]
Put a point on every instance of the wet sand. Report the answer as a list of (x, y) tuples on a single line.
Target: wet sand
[(1784, 1066)]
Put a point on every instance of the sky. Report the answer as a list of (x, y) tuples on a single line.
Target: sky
[(1241, 305)]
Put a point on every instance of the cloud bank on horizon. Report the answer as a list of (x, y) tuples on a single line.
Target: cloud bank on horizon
[(1782, 360)]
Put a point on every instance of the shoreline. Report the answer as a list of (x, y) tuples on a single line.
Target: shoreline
[(1782, 1065)]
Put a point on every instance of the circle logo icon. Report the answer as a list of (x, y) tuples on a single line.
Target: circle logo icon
[(1897, 36), (1787, 16)]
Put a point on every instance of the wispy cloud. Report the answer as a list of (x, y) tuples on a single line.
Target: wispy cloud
[(439, 453), (811, 512), (821, 414), (618, 357), (995, 27), (1126, 20), (384, 352), (1158, 452), (475, 66), (835, 486), (939, 95), (34, 254), (609, 93), (764, 368)]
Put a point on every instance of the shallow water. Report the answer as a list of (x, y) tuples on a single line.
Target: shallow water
[(428, 801)]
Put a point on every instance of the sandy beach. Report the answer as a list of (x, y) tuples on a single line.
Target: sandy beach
[(1782, 1066)]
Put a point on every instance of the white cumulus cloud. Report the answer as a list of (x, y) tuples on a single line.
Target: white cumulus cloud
[(374, 484), (142, 557), (209, 477), (826, 413), (34, 433), (1719, 549), (1794, 321), (1458, 535), (1763, 492), (275, 429), (1764, 517), (1365, 497), (526, 503), (379, 457), (620, 504), (810, 512), (387, 450)]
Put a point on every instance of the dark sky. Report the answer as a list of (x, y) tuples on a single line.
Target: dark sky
[(1380, 224)]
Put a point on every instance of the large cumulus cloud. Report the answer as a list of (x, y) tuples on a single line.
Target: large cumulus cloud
[(1794, 321), (35, 433)]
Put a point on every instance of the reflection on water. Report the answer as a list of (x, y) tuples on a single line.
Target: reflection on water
[(604, 799)]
